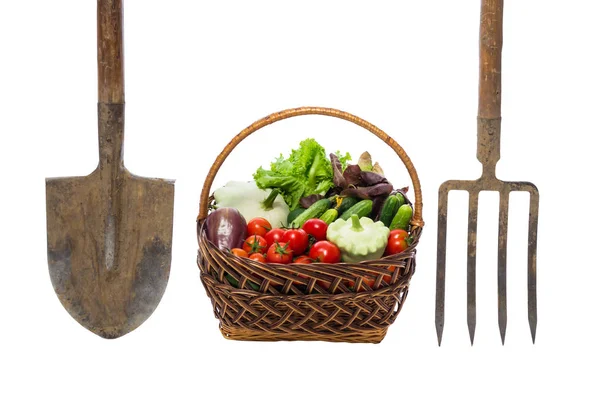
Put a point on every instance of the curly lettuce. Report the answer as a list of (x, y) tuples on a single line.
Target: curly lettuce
[(305, 172)]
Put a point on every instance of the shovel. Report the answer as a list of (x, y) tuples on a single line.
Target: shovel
[(109, 233), (488, 153)]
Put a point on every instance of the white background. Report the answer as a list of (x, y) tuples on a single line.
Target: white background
[(197, 72)]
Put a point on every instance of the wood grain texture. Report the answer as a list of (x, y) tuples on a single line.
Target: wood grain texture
[(110, 52), (490, 59)]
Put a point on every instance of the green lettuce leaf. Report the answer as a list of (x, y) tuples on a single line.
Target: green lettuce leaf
[(307, 171)]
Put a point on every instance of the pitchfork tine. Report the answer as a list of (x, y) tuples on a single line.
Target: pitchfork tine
[(441, 262), (471, 264), (534, 203), (502, 239)]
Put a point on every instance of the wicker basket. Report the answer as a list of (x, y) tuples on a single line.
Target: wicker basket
[(329, 302)]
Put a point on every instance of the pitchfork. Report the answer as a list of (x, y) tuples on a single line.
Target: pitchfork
[(488, 153)]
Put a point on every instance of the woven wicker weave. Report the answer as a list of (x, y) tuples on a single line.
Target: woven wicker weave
[(330, 302)]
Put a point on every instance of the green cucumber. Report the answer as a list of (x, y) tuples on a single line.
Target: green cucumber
[(389, 209), (362, 209), (293, 214), (401, 197), (346, 203), (329, 216), (314, 211), (234, 282), (402, 217)]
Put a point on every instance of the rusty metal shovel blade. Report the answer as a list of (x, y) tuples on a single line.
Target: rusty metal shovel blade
[(109, 233), (109, 253), (488, 153)]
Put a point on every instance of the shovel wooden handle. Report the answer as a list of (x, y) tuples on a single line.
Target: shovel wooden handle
[(111, 93), (110, 52), (417, 219)]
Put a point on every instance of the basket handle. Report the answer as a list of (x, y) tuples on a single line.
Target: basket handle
[(330, 112)]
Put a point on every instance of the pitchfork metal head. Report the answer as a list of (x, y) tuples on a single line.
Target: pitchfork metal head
[(488, 153)]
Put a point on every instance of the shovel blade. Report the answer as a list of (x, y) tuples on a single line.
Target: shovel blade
[(109, 247)]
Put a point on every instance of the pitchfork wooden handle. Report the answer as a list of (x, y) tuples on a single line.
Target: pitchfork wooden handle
[(490, 85), (110, 52), (294, 112), (490, 59)]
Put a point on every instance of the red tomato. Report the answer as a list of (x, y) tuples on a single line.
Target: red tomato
[(323, 284), (326, 285), (258, 257), (367, 280), (298, 282), (258, 226), (326, 252), (303, 260), (298, 240), (274, 235), (396, 242), (239, 252), (279, 253), (388, 279), (255, 244), (316, 228)]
